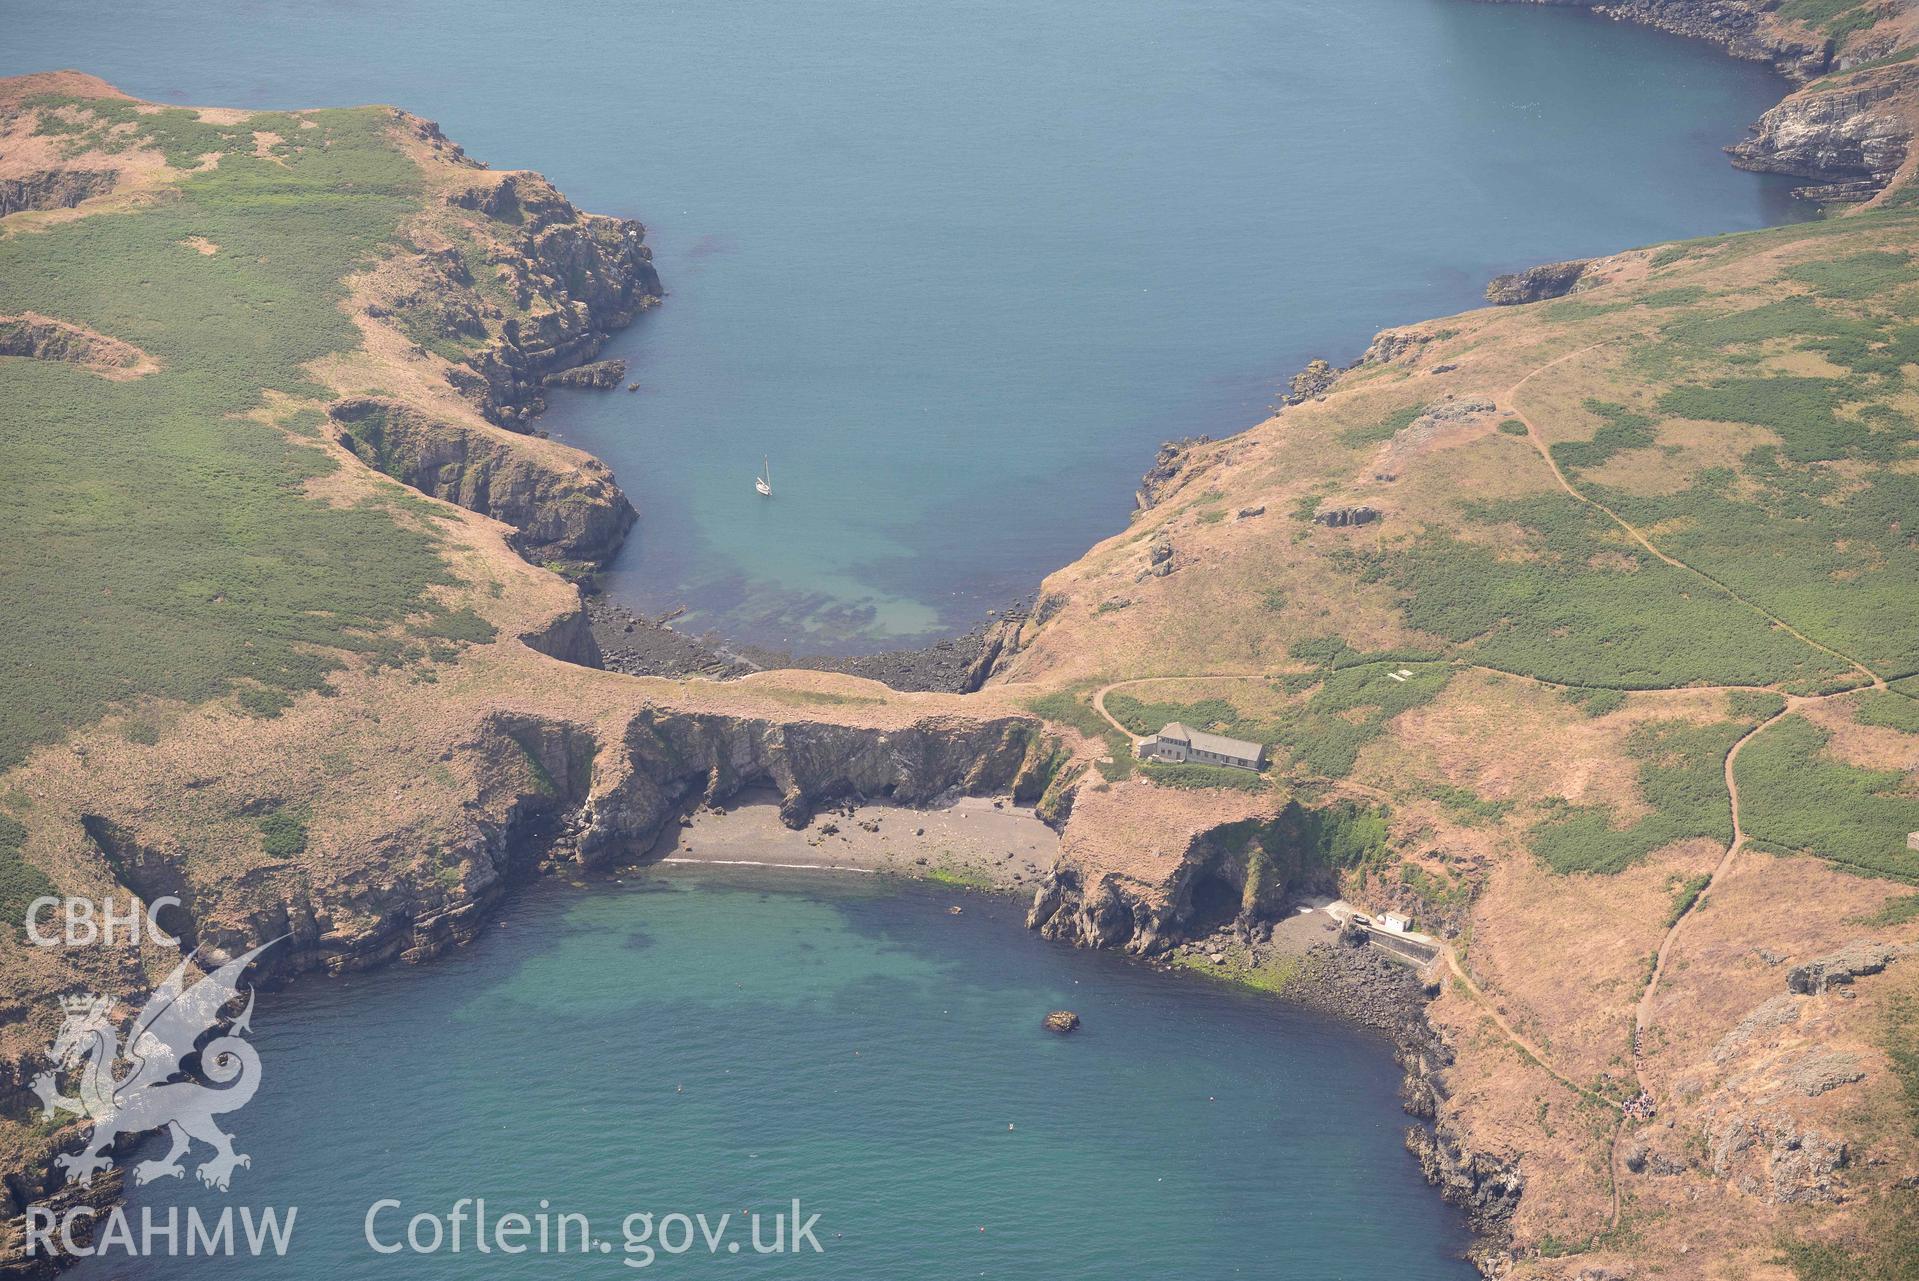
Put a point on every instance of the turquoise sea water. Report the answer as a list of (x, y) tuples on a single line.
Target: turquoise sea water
[(957, 268), (726, 1043)]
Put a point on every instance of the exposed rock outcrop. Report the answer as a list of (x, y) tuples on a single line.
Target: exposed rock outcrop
[(569, 513), (568, 638), (1486, 1188), (37, 337), (1241, 873), (670, 759), (1315, 380), (1769, 1155), (572, 277), (1855, 960), (1536, 284), (1159, 559), (1389, 345), (1849, 137), (1844, 138), (600, 375), (1110, 912), (54, 189), (1167, 465), (1340, 517)]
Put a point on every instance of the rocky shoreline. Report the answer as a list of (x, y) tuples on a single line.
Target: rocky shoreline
[(1348, 978), (1840, 137), (636, 644)]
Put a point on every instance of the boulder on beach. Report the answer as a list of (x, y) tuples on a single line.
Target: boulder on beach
[(1061, 1021)]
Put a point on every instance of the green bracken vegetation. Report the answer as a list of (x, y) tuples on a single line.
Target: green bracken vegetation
[(1594, 702), (1467, 805), (1754, 705), (1887, 710), (164, 543), (1836, 18), (1838, 570), (1681, 778), (1622, 430), (283, 833), (1344, 709), (1859, 277), (20, 881), (1803, 411), (1897, 911), (1561, 612), (1797, 798), (1685, 897), (1214, 714), (1204, 777), (1350, 709)]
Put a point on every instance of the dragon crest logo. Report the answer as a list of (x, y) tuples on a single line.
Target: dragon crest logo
[(157, 1090)]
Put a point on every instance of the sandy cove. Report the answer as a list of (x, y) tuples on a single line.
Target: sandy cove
[(975, 841)]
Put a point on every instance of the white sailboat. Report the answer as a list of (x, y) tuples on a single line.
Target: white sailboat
[(764, 481)]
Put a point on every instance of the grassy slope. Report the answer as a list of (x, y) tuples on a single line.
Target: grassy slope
[(160, 542)]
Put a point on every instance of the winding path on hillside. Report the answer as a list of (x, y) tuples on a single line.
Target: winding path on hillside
[(1509, 403), (1643, 1013)]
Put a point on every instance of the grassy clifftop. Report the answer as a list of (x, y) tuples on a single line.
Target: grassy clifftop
[(208, 571)]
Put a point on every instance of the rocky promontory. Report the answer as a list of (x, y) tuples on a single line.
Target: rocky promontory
[(521, 289), (1536, 284), (1849, 139)]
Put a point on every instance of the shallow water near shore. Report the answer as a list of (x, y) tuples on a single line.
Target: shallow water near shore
[(956, 269), (720, 1041)]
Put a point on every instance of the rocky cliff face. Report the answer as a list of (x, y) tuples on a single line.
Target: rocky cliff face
[(511, 283), (1101, 910), (54, 189), (560, 513), (573, 278), (1238, 879), (546, 791), (1242, 873), (39, 338), (1167, 465), (1486, 1188), (1850, 139), (670, 760)]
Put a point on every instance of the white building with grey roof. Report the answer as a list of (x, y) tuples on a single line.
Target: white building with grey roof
[(1184, 745)]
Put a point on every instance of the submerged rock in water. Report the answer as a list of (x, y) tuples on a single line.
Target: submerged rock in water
[(1061, 1021)]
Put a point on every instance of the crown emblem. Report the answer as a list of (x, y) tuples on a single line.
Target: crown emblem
[(83, 1004)]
